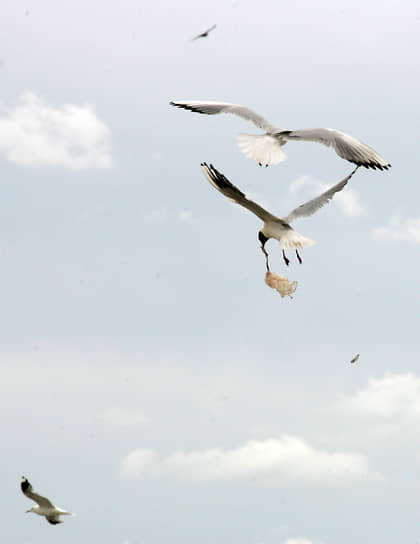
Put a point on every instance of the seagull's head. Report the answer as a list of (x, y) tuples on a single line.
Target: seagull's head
[(262, 238), (31, 510)]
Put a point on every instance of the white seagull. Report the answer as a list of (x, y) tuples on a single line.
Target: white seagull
[(45, 506), (274, 227), (267, 148)]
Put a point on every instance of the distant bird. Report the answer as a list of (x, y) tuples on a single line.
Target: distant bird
[(274, 227), (45, 506), (205, 33), (355, 358), (267, 148)]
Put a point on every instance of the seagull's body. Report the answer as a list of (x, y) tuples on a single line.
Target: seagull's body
[(274, 227), (268, 148), (205, 33), (45, 507), (355, 358)]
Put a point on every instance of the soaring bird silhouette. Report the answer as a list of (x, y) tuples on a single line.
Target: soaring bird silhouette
[(205, 33)]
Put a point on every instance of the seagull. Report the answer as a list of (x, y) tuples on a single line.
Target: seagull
[(274, 227), (267, 148), (355, 358), (45, 506), (205, 33)]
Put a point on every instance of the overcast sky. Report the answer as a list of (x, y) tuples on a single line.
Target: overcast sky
[(151, 382)]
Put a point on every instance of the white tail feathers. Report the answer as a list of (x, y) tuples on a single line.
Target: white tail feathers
[(263, 148), (293, 240)]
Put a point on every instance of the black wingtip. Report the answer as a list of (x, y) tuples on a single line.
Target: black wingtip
[(24, 484), (374, 166), (182, 106)]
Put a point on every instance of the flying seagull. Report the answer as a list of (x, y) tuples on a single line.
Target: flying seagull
[(205, 33), (45, 506), (267, 148), (274, 227), (355, 358)]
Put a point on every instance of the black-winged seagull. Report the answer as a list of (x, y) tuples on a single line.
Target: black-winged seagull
[(274, 227), (267, 148), (45, 506)]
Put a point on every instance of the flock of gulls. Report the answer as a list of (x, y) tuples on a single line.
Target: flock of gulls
[(266, 149)]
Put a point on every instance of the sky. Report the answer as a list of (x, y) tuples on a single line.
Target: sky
[(152, 384)]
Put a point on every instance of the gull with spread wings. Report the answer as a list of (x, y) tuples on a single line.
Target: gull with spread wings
[(45, 506), (268, 148), (274, 227)]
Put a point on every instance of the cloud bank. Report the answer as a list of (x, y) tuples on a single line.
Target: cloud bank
[(297, 541), (35, 134), (407, 230), (392, 395), (288, 458)]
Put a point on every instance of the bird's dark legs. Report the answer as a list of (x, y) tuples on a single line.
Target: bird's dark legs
[(286, 260), (298, 256), (266, 258)]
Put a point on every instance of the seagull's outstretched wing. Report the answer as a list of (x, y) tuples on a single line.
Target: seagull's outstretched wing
[(204, 34), (212, 108), (346, 146), (227, 189), (312, 206), (27, 490)]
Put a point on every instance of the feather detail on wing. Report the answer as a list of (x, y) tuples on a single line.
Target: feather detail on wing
[(212, 108), (309, 208), (222, 184), (27, 490), (346, 146), (263, 148)]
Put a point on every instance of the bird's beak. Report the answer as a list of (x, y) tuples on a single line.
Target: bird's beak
[(27, 511)]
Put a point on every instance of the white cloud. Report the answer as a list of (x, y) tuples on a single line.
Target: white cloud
[(407, 230), (287, 458), (185, 216), (163, 215), (123, 417), (35, 134), (347, 200), (297, 540), (137, 461), (394, 394)]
